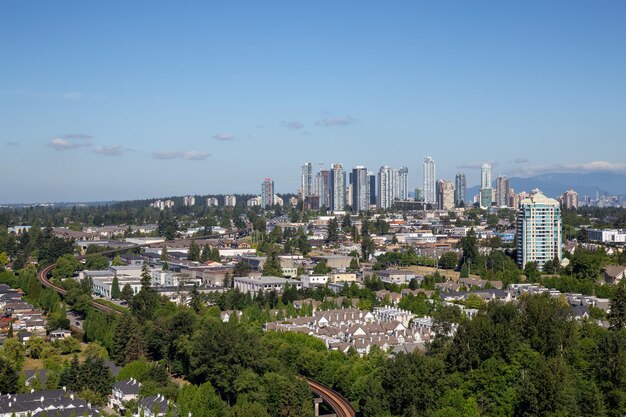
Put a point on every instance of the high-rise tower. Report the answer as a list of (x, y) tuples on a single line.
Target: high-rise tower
[(306, 181), (429, 180), (337, 182), (460, 189)]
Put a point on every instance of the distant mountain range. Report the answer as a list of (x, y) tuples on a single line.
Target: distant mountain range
[(555, 184)]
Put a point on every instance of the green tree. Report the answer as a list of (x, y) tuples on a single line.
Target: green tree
[(117, 261), (96, 262), (272, 266), (333, 232), (127, 293), (193, 254), (14, 352), (66, 266), (321, 268), (115, 288), (617, 314), (242, 269), (9, 376), (448, 260)]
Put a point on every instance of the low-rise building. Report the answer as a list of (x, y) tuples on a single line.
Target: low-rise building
[(265, 284)]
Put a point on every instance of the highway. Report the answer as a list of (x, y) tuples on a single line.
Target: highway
[(336, 401)]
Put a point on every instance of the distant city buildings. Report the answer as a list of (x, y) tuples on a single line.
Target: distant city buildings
[(486, 192), (445, 195), (429, 181), (386, 192), (569, 200), (460, 189), (502, 191), (189, 201), (212, 202), (360, 189), (403, 184), (230, 201), (162, 205), (306, 181), (337, 180), (267, 193), (539, 231), (322, 188)]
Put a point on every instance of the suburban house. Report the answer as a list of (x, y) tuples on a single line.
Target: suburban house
[(123, 391)]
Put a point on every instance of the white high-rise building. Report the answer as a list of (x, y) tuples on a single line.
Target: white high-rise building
[(322, 187), (485, 176), (230, 201), (429, 181), (267, 193), (306, 181), (211, 202), (539, 230), (189, 201), (386, 187)]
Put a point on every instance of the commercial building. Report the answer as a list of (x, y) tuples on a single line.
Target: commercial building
[(265, 284), (445, 195), (607, 235), (485, 176), (460, 189), (373, 189), (429, 181), (267, 193), (539, 231)]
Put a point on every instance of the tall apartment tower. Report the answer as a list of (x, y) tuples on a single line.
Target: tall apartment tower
[(189, 201), (306, 181), (386, 187), (539, 230), (403, 184), (230, 201), (569, 199), (337, 182), (460, 189), (429, 180), (485, 176), (445, 195), (373, 188), (322, 187), (502, 191), (360, 189), (267, 193)]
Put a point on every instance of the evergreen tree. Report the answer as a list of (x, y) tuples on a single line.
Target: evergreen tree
[(164, 253), (9, 377), (333, 233), (272, 266), (215, 255), (127, 293), (206, 253), (194, 252), (617, 315), (115, 288)]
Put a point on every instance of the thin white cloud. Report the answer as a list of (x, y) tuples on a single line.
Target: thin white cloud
[(476, 165), (72, 95), (293, 125), (336, 121), (13, 144), (70, 141), (186, 155), (195, 155), (224, 137), (113, 150), (592, 166)]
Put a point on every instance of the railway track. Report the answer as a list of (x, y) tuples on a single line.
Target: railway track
[(336, 401)]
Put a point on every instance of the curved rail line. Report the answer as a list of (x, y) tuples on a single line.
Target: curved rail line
[(336, 401)]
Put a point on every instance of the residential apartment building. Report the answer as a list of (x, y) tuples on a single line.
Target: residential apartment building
[(460, 189), (267, 193), (445, 195), (539, 230), (429, 181), (337, 181), (569, 200)]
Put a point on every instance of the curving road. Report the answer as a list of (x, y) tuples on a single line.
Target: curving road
[(336, 401)]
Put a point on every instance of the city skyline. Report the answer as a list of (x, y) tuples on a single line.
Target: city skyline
[(243, 85)]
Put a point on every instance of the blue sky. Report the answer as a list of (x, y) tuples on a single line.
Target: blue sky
[(118, 100)]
